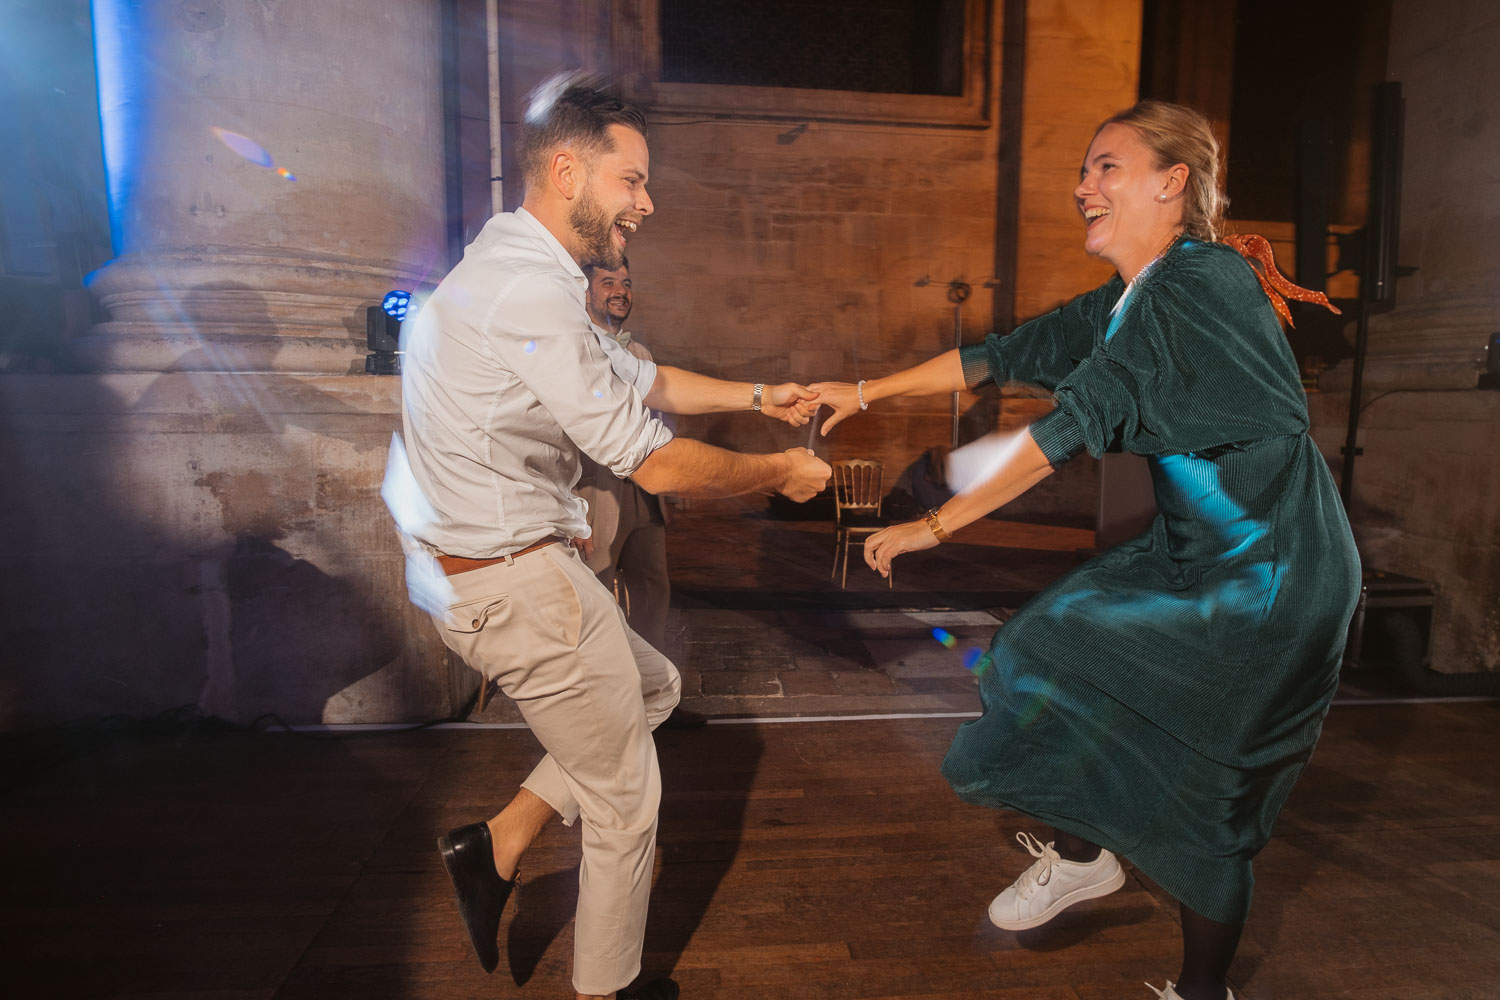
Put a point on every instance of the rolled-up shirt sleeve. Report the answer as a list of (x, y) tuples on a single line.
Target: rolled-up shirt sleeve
[(638, 371), (546, 340)]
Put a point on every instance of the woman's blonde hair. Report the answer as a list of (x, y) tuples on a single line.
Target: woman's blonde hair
[(1177, 134)]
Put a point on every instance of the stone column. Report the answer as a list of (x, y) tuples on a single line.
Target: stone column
[(259, 255), (195, 513)]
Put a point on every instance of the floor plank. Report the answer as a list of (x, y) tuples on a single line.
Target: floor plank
[(807, 860)]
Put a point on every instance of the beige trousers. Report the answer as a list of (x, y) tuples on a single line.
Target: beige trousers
[(591, 690)]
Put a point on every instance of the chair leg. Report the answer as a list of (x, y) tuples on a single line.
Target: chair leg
[(484, 693), (838, 537), (844, 580)]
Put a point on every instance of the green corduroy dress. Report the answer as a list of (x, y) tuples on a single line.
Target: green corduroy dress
[(1161, 699)]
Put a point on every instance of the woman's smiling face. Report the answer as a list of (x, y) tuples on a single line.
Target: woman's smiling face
[(1130, 208)]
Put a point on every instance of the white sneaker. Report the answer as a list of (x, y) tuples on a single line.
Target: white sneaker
[(1171, 994), (1051, 885)]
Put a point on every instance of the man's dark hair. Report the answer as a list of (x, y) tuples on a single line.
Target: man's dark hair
[(569, 109), (589, 269)]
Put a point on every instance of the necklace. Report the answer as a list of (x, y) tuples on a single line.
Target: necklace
[(1171, 241), (1144, 271)]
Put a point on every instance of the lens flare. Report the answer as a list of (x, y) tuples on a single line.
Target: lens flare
[(250, 150), (244, 146), (945, 637)]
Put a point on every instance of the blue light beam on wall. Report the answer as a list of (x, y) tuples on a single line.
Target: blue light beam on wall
[(118, 59)]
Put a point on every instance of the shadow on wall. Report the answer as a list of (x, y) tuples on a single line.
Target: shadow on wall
[(166, 542)]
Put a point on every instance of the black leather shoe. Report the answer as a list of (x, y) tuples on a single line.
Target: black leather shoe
[(660, 989), (683, 719), (469, 857)]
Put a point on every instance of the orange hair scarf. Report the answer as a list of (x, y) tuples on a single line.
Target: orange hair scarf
[(1257, 250)]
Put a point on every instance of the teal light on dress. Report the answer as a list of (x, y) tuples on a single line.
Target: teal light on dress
[(1161, 699)]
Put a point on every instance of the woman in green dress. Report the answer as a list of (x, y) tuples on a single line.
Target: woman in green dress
[(1159, 701)]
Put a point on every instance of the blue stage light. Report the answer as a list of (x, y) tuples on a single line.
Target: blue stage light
[(396, 303)]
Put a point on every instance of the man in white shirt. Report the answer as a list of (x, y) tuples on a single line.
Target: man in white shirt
[(504, 384)]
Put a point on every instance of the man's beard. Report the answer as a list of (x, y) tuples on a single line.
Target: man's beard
[(604, 316), (596, 234)]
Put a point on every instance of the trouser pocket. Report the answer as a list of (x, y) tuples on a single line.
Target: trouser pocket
[(472, 616)]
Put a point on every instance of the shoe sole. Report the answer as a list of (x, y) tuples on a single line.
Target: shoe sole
[(1076, 896)]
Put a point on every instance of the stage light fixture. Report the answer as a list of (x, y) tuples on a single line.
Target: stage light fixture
[(383, 333)]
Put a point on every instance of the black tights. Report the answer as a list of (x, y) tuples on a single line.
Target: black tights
[(1071, 848), (1207, 945), (1207, 949)]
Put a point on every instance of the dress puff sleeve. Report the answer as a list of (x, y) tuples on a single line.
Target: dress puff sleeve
[(1043, 351), (1104, 402)]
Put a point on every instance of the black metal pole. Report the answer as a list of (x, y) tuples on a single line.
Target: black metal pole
[(1377, 272), (1357, 377), (958, 341)]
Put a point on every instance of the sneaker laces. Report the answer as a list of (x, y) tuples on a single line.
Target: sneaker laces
[(1040, 873), (1171, 992)]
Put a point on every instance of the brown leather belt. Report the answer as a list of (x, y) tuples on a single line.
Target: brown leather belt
[(462, 564)]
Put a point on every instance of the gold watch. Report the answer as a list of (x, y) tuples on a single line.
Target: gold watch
[(931, 518)]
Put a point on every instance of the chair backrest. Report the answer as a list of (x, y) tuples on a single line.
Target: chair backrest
[(857, 484)]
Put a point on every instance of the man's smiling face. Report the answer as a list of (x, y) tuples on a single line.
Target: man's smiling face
[(609, 297)]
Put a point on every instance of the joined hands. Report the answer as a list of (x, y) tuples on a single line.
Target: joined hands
[(790, 402), (840, 397)]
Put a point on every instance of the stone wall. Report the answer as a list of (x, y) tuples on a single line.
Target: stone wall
[(193, 511), (210, 540), (806, 260), (810, 249), (1426, 496)]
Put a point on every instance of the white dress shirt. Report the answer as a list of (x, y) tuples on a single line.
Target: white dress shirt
[(504, 382)]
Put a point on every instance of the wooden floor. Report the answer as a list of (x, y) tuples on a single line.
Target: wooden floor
[(800, 860)]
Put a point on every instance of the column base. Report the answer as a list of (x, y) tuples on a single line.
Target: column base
[(206, 311)]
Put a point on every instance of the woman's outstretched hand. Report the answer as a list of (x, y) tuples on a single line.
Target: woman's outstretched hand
[(841, 397), (888, 543)]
